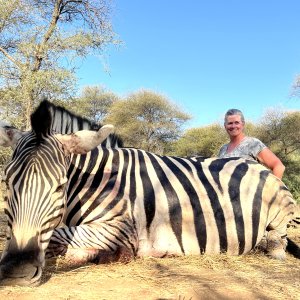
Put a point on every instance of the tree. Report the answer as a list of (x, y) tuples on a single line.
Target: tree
[(95, 103), (202, 141), (40, 43), (296, 87), (147, 120), (281, 132)]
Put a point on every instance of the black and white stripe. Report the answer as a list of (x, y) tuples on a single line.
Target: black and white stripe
[(31, 180), (65, 122), (127, 202), (177, 205)]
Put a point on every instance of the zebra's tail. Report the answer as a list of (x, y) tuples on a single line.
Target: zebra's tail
[(292, 248)]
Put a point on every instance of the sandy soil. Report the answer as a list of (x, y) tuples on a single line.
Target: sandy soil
[(252, 276)]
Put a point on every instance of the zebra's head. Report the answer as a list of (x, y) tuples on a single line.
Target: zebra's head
[(35, 183)]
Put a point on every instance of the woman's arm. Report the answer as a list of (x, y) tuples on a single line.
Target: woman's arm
[(270, 160)]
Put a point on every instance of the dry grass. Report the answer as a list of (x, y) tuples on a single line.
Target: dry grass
[(252, 276)]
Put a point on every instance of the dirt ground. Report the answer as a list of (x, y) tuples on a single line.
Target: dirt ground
[(252, 276)]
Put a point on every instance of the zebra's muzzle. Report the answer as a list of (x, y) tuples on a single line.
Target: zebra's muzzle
[(21, 267), (22, 275)]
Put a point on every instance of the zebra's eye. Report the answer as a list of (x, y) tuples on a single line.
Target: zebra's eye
[(59, 189)]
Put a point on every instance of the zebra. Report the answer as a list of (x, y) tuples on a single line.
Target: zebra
[(69, 195)]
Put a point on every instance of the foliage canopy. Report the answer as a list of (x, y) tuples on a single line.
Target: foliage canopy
[(95, 103), (147, 120), (40, 44)]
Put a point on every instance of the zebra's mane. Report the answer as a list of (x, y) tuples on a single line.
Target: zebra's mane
[(49, 117), (65, 121)]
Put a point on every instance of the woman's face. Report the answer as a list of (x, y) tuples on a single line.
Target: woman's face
[(234, 125)]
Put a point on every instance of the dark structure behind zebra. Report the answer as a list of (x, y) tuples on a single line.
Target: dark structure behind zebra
[(66, 196)]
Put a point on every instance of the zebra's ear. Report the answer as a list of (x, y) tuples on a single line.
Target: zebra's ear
[(84, 141), (9, 135)]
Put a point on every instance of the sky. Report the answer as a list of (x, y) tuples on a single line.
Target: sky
[(204, 56)]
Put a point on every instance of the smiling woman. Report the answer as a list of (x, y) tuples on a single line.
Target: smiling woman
[(247, 147)]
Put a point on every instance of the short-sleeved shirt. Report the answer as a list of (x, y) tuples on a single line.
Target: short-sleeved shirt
[(248, 148)]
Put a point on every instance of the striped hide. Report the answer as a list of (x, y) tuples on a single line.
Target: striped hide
[(66, 196)]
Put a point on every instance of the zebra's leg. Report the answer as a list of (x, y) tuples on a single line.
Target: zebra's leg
[(78, 256), (276, 245), (263, 244), (90, 243)]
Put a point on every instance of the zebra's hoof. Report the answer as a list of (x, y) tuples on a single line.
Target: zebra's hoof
[(277, 254), (275, 245)]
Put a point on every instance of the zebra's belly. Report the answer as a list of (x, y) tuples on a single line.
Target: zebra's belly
[(163, 242), (160, 249)]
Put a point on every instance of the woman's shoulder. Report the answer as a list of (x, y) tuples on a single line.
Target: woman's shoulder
[(254, 143), (252, 140)]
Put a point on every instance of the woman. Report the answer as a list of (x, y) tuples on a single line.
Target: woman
[(247, 147)]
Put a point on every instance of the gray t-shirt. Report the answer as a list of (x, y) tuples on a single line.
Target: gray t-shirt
[(248, 148)]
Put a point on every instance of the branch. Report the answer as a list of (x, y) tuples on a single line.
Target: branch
[(291, 151), (9, 57), (40, 51)]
